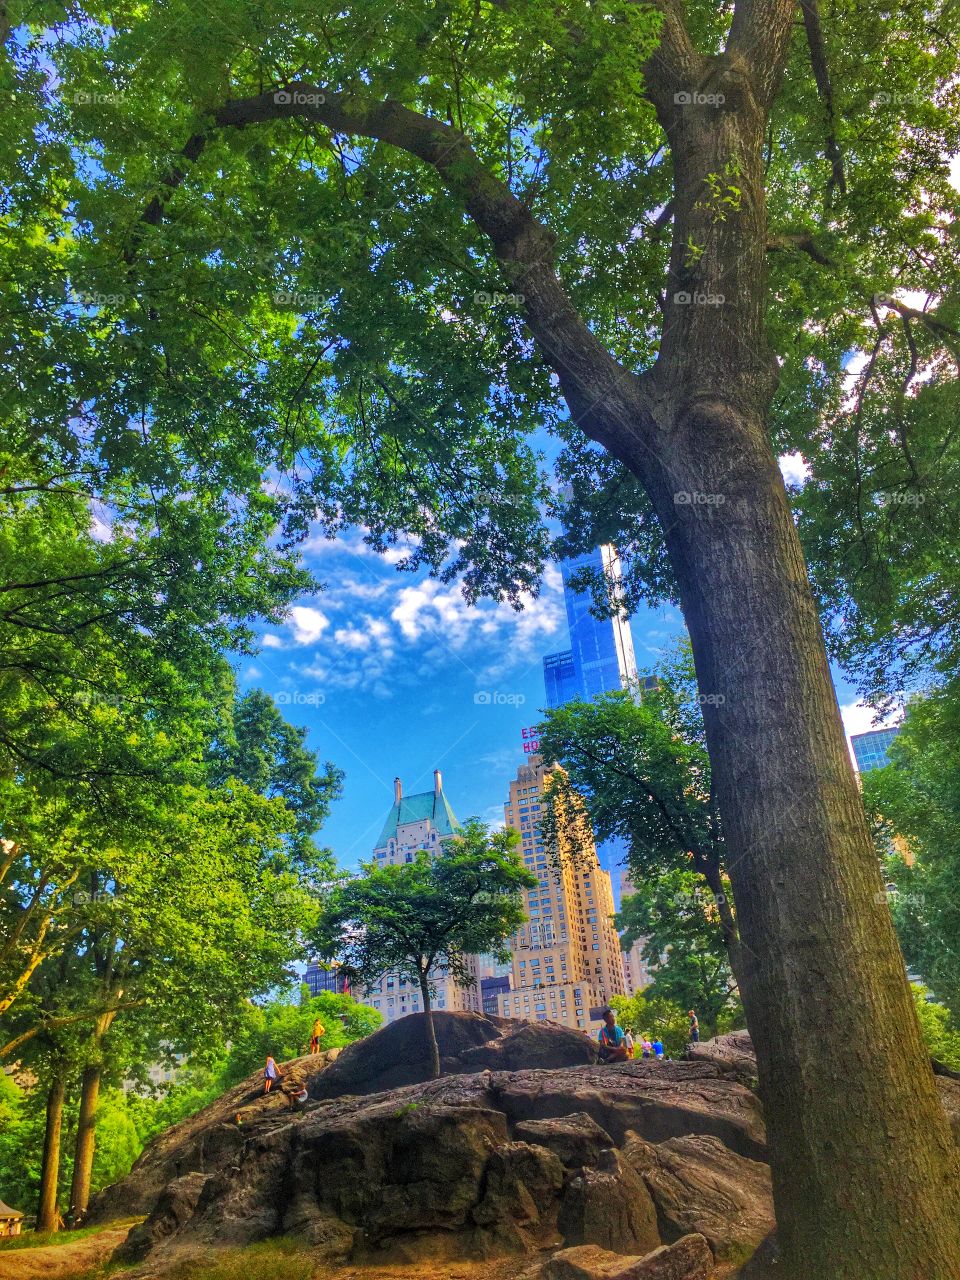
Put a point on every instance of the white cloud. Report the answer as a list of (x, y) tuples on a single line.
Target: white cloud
[(352, 638), (308, 624), (793, 468), (305, 628)]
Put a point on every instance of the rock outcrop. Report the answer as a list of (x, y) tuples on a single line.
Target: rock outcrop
[(699, 1185), (688, 1259), (207, 1140), (398, 1054), (627, 1159)]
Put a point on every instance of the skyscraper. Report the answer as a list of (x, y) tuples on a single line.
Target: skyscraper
[(636, 971), (870, 749), (601, 655), (566, 958), (415, 822)]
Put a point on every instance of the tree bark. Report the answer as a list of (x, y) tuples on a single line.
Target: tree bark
[(86, 1139), (865, 1168), (48, 1217), (431, 1031)]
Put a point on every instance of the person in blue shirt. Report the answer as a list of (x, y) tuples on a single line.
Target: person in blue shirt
[(613, 1044), (658, 1048)]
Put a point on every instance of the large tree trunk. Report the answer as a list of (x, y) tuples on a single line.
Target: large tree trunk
[(866, 1174), (865, 1168), (432, 1046), (48, 1216), (86, 1140)]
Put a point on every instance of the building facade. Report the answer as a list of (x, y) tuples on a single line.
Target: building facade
[(320, 978), (601, 655), (870, 749), (416, 822), (566, 957), (492, 991), (636, 971)]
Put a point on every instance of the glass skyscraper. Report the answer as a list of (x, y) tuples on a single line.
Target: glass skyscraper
[(600, 659), (601, 656), (870, 749)]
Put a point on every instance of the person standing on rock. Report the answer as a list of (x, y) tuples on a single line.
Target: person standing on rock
[(611, 1037), (628, 1041), (694, 1028), (658, 1049), (271, 1072), (646, 1048), (316, 1036)]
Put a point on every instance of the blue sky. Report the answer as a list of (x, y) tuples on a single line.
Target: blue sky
[(385, 668)]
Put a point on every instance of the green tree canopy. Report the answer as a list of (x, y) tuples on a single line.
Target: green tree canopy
[(425, 918), (639, 764), (678, 922), (916, 799)]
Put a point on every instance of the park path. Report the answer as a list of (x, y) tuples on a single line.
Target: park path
[(60, 1261)]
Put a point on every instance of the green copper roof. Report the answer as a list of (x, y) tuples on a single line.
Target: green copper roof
[(416, 808)]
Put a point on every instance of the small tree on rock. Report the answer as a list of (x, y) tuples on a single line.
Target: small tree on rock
[(424, 918)]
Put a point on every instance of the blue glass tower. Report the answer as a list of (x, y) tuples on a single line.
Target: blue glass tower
[(600, 658), (601, 655), (870, 749)]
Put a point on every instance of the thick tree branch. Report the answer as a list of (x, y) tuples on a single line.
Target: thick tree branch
[(802, 242), (606, 399), (759, 35), (821, 73)]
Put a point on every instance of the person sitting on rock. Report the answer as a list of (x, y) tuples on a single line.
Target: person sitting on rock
[(658, 1048), (612, 1040), (271, 1072)]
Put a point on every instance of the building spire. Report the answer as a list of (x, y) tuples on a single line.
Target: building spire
[(397, 791), (437, 782)]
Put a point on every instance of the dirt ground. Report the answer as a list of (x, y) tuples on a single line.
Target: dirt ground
[(82, 1258), (61, 1261)]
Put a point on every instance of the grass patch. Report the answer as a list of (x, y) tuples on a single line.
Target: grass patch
[(39, 1240), (277, 1259)]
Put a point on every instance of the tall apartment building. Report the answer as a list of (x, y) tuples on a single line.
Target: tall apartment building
[(566, 958), (415, 822), (636, 971)]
